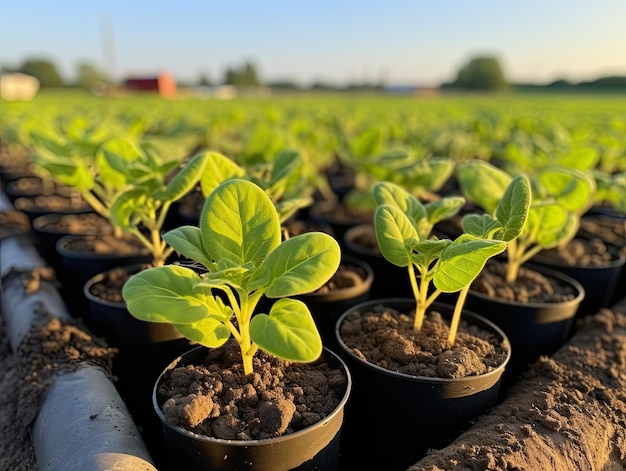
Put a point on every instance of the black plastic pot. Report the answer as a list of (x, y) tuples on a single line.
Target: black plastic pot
[(390, 281), (145, 348), (599, 282), (47, 231), (534, 329), (393, 418), (327, 307), (316, 447), (34, 206), (77, 267), (121, 329)]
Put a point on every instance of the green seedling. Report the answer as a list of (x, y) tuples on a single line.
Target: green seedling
[(239, 243), (86, 158), (281, 180), (141, 208), (559, 197), (403, 228)]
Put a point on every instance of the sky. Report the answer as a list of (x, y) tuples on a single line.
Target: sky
[(415, 42)]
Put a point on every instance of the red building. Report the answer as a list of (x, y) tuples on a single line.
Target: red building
[(164, 84)]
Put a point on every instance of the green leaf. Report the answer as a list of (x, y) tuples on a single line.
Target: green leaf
[(425, 252), (482, 226), (463, 260), (512, 210), (166, 294), (550, 223), (443, 209), (394, 195), (239, 222), (395, 234), (288, 332), (302, 264), (218, 169), (187, 241), (482, 183), (209, 332), (368, 143), (288, 208), (187, 177), (125, 205), (112, 160), (430, 174), (572, 189), (581, 159), (49, 144)]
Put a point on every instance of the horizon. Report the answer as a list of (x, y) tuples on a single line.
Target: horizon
[(399, 43)]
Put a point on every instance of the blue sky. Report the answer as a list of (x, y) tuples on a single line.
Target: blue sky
[(399, 41)]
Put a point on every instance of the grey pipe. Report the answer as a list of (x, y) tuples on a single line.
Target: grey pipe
[(82, 424)]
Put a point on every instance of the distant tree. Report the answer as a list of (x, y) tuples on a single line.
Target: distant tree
[(89, 75), (246, 76), (204, 80), (284, 84), (44, 70), (249, 77), (230, 77), (481, 73)]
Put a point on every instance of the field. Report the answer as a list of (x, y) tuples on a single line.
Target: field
[(299, 149)]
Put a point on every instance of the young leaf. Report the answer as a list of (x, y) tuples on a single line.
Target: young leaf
[(187, 241), (219, 168), (239, 222), (443, 209), (573, 190), (125, 205), (550, 223), (482, 226), (482, 183), (395, 195), (302, 264), (166, 294), (184, 181), (395, 234), (581, 159), (463, 260), (209, 332), (512, 210), (425, 252), (288, 331)]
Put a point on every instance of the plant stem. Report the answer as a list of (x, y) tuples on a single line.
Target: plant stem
[(456, 316), (420, 308)]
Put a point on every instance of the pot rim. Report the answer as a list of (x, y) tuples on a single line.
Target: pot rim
[(63, 251), (259, 442), (100, 276), (545, 271), (498, 371)]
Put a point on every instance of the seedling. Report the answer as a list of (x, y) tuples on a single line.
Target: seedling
[(141, 208), (403, 228), (560, 196), (281, 180), (239, 243)]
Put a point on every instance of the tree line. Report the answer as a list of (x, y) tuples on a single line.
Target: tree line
[(481, 73)]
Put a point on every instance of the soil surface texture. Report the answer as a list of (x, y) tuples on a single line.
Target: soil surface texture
[(568, 412), (81, 224), (580, 252), (279, 397), (47, 351), (530, 286), (385, 337)]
